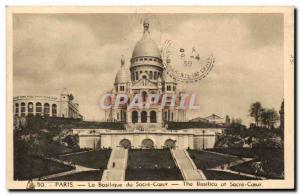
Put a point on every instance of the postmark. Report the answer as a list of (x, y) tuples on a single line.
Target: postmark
[(186, 64)]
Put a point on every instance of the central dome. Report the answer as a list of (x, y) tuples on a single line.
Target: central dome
[(146, 46)]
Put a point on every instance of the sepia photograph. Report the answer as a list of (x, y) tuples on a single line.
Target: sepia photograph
[(159, 98)]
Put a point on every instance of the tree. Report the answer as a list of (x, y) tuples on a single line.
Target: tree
[(269, 118), (256, 111), (71, 97), (227, 120), (281, 113)]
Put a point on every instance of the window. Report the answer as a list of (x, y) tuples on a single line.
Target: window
[(23, 109), (144, 117), (136, 76), (168, 88), (30, 108), (134, 117), (144, 96), (54, 110), (122, 88), (17, 109), (38, 108), (145, 59), (152, 117), (46, 109), (141, 59), (155, 75), (150, 59), (150, 75)]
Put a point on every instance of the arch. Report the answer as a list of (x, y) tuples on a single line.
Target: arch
[(134, 117), (30, 108), (46, 109), (147, 143), (144, 117), (38, 108), (169, 143), (16, 109), (152, 117), (54, 110), (23, 108), (125, 143)]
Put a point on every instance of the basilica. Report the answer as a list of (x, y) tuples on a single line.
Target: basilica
[(146, 77), (146, 126)]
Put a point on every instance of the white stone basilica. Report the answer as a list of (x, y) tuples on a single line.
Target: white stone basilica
[(146, 127), (147, 76)]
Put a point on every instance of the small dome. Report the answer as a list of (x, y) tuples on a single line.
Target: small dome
[(146, 46), (122, 75)]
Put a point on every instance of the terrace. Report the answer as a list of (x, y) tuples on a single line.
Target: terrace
[(151, 164), (92, 159), (206, 160)]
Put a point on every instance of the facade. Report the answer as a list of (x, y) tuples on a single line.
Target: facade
[(183, 139), (145, 76), (146, 127), (62, 106)]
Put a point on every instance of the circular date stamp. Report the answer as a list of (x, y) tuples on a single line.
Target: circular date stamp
[(186, 65)]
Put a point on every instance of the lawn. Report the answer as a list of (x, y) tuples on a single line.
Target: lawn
[(219, 175), (152, 164), (272, 159), (150, 159), (153, 175), (205, 160), (93, 159), (37, 167), (83, 176), (271, 172)]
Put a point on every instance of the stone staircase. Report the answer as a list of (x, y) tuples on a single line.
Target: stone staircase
[(116, 166), (186, 165)]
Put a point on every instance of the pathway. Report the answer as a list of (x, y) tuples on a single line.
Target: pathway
[(187, 167), (116, 165)]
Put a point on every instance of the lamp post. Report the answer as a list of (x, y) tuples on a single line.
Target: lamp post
[(203, 139), (94, 139)]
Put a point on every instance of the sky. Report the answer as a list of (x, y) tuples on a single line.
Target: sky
[(82, 52)]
